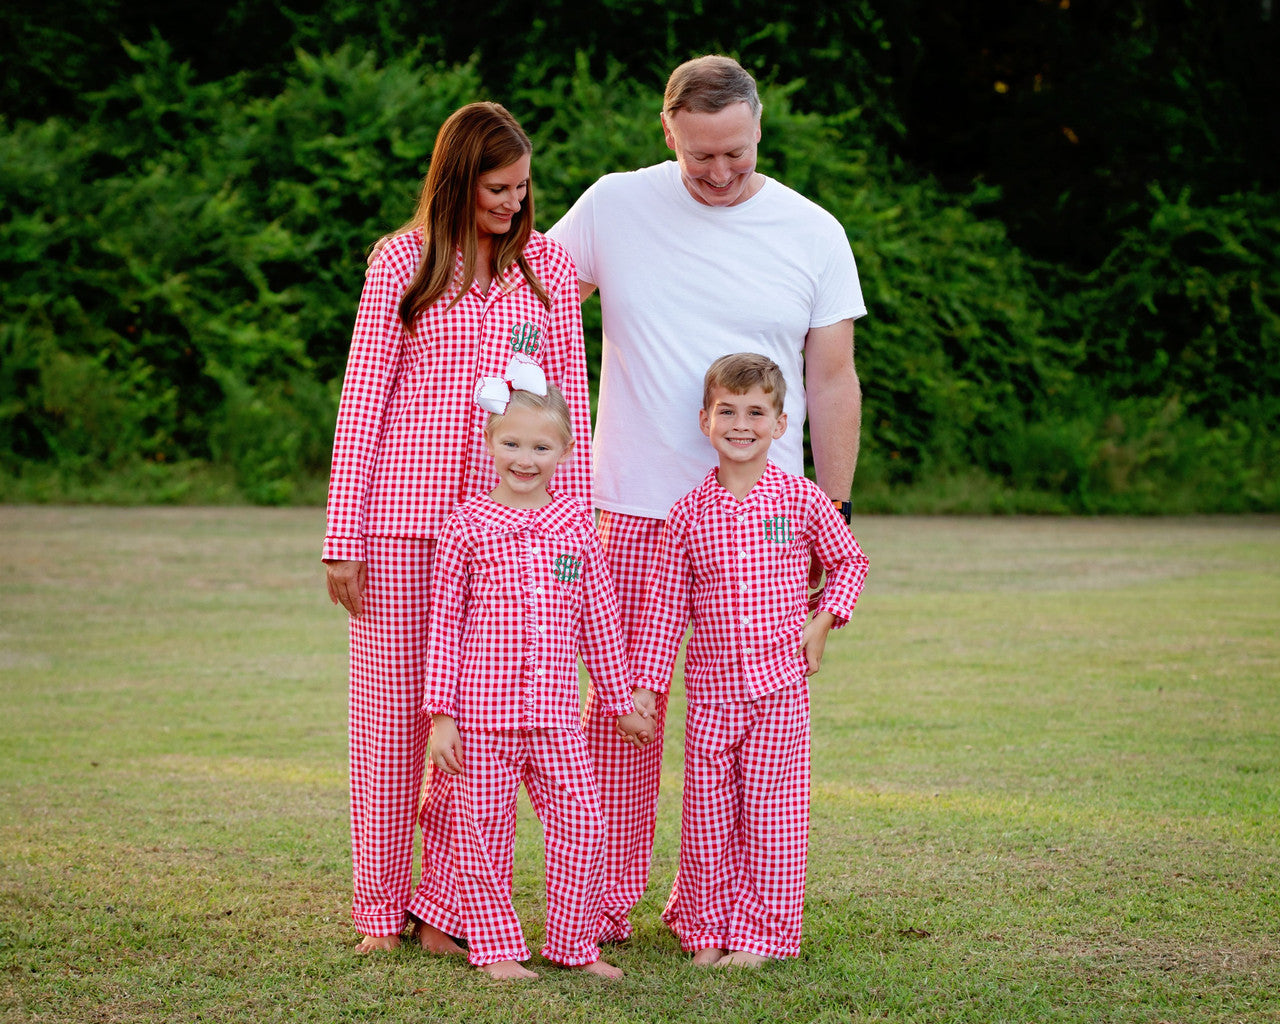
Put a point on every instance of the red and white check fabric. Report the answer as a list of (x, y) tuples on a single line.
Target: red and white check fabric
[(387, 735), (744, 826), (628, 777), (409, 444), (740, 570), (555, 768), (516, 595)]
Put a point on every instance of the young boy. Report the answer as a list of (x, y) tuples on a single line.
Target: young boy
[(734, 558)]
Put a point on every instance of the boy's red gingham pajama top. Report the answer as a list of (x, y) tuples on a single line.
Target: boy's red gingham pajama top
[(409, 447), (516, 595), (739, 570)]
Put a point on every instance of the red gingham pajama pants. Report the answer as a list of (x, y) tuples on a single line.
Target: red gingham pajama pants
[(556, 771), (628, 778), (387, 734), (744, 826)]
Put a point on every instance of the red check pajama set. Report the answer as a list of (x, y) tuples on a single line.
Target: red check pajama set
[(516, 595), (409, 447), (739, 571)]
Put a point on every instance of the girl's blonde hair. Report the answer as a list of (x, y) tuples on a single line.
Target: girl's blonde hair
[(476, 139), (552, 405)]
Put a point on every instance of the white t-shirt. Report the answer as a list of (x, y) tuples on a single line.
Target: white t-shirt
[(682, 284)]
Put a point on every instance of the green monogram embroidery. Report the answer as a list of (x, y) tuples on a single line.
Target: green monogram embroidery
[(566, 568), (524, 337), (778, 529)]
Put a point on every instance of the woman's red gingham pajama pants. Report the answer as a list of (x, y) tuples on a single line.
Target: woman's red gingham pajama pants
[(628, 778), (744, 826), (555, 768), (387, 733)]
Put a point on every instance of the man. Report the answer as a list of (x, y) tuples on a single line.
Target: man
[(693, 260)]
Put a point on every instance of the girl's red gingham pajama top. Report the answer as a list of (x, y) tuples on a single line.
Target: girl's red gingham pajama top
[(516, 595), (739, 570), (409, 447)]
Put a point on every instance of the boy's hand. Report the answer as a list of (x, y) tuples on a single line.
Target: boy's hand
[(446, 744), (813, 641), (635, 729)]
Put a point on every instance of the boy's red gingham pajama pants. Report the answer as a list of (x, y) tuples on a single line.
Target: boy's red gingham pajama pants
[(387, 733), (628, 778), (555, 768), (744, 827)]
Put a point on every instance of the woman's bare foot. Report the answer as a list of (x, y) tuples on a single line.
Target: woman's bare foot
[(508, 970), (433, 940), (601, 970), (708, 957), (377, 943), (741, 958)]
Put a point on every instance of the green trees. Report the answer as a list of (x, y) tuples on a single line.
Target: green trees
[(1055, 324)]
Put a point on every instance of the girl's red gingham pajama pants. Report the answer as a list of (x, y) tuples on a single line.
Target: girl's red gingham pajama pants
[(744, 826), (628, 778), (555, 768)]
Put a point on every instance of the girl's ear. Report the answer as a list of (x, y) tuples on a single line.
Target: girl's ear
[(565, 455)]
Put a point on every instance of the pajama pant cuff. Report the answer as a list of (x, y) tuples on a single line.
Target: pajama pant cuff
[(764, 948), (378, 924), (430, 912), (497, 956), (571, 960)]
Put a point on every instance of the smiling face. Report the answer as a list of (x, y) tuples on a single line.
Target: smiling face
[(716, 153), (742, 427), (527, 445), (499, 196)]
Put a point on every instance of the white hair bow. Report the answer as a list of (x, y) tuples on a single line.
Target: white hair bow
[(523, 374)]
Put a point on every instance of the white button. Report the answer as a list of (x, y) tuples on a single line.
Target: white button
[(542, 629), (534, 548), (748, 650), (746, 621), (742, 553), (541, 672), (743, 587), (539, 590)]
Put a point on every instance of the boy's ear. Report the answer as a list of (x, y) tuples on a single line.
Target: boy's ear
[(704, 422), (780, 427)]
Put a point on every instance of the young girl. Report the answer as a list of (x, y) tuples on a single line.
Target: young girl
[(519, 586)]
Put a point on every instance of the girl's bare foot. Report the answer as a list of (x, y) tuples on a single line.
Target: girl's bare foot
[(508, 970), (708, 957), (741, 958), (433, 940), (601, 970), (377, 943)]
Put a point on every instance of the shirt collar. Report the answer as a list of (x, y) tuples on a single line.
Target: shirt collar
[(766, 491), (498, 518)]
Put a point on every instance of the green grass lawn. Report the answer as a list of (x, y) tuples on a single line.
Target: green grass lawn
[(1046, 787)]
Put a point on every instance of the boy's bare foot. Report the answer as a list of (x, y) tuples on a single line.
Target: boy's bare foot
[(708, 957), (741, 958), (377, 943), (433, 940), (508, 970), (601, 970)]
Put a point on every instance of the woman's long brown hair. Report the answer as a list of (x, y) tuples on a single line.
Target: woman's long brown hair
[(476, 139)]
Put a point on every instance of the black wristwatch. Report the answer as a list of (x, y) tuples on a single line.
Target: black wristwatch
[(846, 509)]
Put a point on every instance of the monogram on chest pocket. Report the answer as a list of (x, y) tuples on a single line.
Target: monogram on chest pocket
[(524, 338)]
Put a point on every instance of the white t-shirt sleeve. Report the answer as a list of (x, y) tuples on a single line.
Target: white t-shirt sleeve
[(576, 232)]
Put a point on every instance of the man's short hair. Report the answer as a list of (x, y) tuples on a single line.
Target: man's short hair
[(706, 85)]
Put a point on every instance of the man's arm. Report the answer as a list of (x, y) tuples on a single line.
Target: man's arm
[(834, 399)]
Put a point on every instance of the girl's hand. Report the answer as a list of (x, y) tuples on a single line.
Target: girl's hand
[(346, 582), (813, 641), (446, 744), (635, 728)]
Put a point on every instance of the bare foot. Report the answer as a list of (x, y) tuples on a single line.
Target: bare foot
[(708, 957), (508, 970), (433, 940), (377, 943), (601, 970), (741, 958)]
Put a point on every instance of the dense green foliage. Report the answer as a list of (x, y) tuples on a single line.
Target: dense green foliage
[(1060, 319)]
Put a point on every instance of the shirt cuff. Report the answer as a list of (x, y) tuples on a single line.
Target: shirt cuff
[(651, 683), (344, 549), (440, 707)]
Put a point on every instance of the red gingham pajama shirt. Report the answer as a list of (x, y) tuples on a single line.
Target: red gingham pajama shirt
[(516, 594), (409, 447), (739, 570)]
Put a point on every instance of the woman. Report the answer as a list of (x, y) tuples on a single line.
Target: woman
[(464, 288)]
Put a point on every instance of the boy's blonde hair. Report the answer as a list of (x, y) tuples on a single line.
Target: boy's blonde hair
[(740, 372), (552, 405)]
